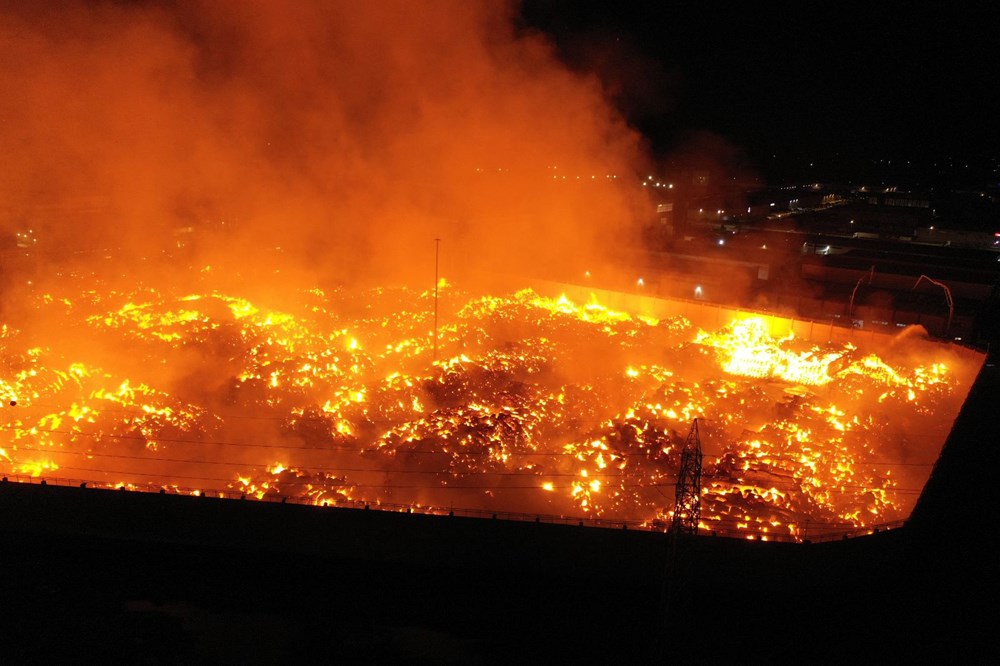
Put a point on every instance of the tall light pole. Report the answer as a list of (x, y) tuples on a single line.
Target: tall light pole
[(437, 256)]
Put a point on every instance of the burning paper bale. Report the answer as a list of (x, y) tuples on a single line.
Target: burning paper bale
[(541, 405)]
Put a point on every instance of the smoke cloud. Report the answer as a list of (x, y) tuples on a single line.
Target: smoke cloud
[(187, 183), (347, 134)]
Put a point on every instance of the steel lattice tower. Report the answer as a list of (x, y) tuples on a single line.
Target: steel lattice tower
[(687, 494)]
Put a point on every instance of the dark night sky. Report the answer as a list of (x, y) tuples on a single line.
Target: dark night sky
[(836, 85)]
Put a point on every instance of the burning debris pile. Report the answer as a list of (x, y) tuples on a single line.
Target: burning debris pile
[(536, 404)]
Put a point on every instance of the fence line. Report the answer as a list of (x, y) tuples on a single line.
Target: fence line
[(821, 532)]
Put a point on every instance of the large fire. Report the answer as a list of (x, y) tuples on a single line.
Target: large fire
[(535, 404)]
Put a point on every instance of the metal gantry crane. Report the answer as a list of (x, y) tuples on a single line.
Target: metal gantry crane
[(687, 493)]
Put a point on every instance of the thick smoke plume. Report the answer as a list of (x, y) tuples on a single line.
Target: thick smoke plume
[(262, 149), (348, 134), (214, 215)]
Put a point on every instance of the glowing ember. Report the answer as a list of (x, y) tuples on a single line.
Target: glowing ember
[(539, 405)]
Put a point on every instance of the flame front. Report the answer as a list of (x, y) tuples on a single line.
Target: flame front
[(539, 405)]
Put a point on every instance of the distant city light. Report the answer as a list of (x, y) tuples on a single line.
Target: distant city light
[(722, 241), (640, 282), (697, 291)]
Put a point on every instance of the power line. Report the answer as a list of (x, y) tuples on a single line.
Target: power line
[(787, 485), (662, 481), (719, 520), (422, 486), (158, 459), (350, 449)]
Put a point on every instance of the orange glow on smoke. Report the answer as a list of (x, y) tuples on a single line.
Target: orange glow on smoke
[(210, 194)]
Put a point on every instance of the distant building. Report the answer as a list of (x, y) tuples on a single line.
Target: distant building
[(896, 199)]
